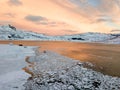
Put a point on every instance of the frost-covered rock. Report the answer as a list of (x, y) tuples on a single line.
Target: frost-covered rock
[(56, 72)]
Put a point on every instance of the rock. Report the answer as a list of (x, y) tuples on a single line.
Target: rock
[(20, 44), (12, 27)]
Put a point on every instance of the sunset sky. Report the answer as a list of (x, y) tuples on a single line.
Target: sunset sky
[(58, 17)]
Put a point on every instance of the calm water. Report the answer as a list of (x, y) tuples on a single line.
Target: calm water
[(106, 58)]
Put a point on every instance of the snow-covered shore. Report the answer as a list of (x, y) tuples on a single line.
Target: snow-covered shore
[(49, 70), (12, 60), (55, 72)]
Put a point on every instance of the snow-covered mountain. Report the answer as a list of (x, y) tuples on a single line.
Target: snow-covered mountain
[(9, 32)]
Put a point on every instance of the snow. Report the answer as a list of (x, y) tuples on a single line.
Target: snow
[(12, 60), (13, 80), (8, 33), (52, 71), (113, 41)]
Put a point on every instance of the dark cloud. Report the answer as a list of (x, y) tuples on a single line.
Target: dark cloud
[(39, 20), (34, 18)]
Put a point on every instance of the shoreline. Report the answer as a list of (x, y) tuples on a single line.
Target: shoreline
[(84, 42), (50, 72), (51, 63), (103, 56)]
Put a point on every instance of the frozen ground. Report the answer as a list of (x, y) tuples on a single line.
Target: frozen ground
[(12, 60), (55, 72)]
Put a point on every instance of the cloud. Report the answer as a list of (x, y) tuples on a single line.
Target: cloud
[(90, 9), (104, 19), (34, 18), (15, 2), (70, 31), (39, 20), (11, 15), (42, 23), (115, 30), (50, 23), (5, 22)]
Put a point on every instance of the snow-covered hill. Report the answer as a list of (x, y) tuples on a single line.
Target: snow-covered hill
[(89, 37), (9, 32)]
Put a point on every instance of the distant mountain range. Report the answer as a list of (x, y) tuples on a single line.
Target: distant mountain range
[(9, 32)]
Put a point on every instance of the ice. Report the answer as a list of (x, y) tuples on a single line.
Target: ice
[(12, 60)]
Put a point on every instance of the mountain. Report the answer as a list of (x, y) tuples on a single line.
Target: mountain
[(9, 32)]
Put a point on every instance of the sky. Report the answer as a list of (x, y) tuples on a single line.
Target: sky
[(61, 17)]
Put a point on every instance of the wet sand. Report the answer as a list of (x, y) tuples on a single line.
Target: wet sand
[(105, 57)]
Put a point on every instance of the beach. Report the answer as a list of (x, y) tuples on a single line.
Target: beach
[(35, 65)]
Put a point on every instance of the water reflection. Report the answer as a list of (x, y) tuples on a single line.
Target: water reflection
[(105, 57)]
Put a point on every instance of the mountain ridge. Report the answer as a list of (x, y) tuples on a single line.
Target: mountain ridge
[(9, 32)]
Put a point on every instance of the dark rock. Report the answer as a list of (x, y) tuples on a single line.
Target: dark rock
[(20, 44), (44, 51), (77, 39), (12, 27), (9, 36), (96, 84)]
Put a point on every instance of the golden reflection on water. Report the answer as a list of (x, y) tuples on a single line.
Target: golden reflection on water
[(105, 57)]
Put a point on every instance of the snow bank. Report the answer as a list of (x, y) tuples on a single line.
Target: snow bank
[(52, 71), (12, 60)]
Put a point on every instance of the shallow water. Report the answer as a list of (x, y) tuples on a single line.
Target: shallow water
[(106, 58)]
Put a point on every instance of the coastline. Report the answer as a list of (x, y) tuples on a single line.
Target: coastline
[(46, 66), (63, 73)]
